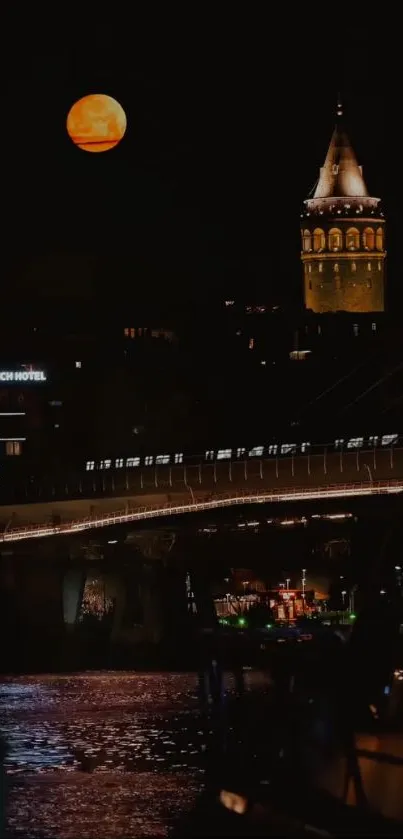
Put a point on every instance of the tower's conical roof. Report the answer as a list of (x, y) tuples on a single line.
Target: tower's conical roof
[(340, 176)]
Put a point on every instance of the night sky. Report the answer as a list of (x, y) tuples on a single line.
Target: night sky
[(228, 123)]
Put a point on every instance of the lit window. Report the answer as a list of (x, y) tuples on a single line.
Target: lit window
[(353, 239), (118, 462), (379, 265), (356, 329), (335, 239), (373, 327), (251, 343), (13, 447), (162, 458), (288, 448), (78, 364), (272, 449), (319, 240), (306, 240), (101, 464), (379, 239), (368, 238), (320, 267), (369, 266), (108, 464), (338, 444), (355, 443), (389, 439), (179, 457), (126, 333), (209, 455), (305, 447), (224, 454), (133, 332), (132, 461), (229, 302), (90, 465), (55, 403), (309, 268), (336, 268), (148, 460), (240, 452), (256, 452), (353, 266), (373, 441)]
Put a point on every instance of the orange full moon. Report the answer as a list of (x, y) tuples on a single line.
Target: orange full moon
[(96, 122)]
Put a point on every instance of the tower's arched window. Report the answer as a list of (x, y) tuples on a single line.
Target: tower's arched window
[(369, 239), (353, 239), (319, 240), (379, 239), (335, 239), (306, 240), (336, 268)]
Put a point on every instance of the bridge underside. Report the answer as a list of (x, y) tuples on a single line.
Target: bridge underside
[(73, 608)]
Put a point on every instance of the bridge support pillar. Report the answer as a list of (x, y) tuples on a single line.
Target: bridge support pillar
[(150, 609), (73, 590)]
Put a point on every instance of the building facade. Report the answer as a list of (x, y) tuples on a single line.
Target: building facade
[(343, 236)]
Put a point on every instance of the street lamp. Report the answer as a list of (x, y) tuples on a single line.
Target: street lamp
[(343, 595), (288, 582)]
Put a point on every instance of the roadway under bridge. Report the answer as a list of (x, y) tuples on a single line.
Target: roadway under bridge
[(97, 500)]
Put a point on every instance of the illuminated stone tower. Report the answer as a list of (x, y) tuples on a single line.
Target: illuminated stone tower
[(343, 236)]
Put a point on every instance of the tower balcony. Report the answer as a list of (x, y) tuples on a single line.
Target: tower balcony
[(360, 206)]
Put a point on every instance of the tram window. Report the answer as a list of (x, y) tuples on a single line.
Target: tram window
[(373, 441), (256, 452), (133, 461), (118, 462), (107, 464), (305, 447), (338, 444), (162, 458), (288, 448), (272, 449), (209, 455), (90, 465), (389, 439), (355, 443), (179, 457), (240, 452), (148, 460), (224, 454)]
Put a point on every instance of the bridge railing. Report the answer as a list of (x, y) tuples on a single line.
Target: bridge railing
[(193, 505)]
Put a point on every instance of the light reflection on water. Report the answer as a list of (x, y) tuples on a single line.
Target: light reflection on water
[(101, 754)]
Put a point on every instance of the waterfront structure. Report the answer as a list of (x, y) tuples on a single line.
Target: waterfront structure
[(343, 236)]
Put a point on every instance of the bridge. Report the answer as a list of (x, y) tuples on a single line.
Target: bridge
[(156, 489), (45, 559)]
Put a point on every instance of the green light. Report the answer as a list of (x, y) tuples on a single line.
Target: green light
[(268, 625), (352, 616), (241, 621), (223, 621)]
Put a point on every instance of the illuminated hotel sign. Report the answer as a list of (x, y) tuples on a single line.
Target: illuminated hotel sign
[(22, 376)]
